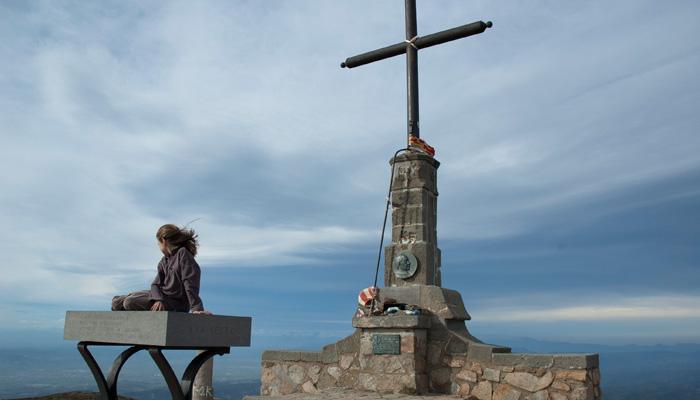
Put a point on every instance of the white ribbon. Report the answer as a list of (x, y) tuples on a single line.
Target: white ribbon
[(412, 42)]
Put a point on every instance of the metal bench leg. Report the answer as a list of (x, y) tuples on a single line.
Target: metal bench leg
[(183, 390), (194, 366), (107, 387), (168, 374)]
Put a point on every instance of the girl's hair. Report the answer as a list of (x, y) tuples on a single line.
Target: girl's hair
[(178, 237)]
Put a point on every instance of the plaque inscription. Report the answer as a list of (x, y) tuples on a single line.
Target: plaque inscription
[(386, 344)]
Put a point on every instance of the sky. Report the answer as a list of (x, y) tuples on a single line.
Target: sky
[(569, 204)]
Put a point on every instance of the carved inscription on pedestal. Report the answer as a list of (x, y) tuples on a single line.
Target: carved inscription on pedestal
[(386, 344)]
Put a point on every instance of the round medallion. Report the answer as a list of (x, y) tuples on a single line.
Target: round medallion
[(404, 265)]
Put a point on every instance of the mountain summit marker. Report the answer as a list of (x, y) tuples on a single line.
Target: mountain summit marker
[(410, 46), (414, 340)]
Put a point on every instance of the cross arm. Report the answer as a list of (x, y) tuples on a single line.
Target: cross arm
[(422, 42)]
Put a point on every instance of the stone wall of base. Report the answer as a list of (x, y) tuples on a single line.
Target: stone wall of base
[(286, 372), (472, 381), (495, 376), (515, 382)]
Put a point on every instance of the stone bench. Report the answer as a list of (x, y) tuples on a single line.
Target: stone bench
[(155, 332)]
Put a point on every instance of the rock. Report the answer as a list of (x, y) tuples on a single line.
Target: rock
[(560, 385), (434, 354), (364, 360), (386, 364), (544, 381), (457, 362), (505, 392), (314, 372), (285, 387), (477, 368), (529, 382), (440, 376), (389, 383), (296, 374), (492, 374), (367, 382), (467, 375), (576, 374), (395, 364), (482, 391), (507, 369), (421, 345), (582, 393), (335, 372), (309, 387), (280, 370), (347, 380), (557, 396), (408, 344), (541, 395), (268, 376), (366, 345), (464, 389), (325, 381), (409, 383), (346, 360)]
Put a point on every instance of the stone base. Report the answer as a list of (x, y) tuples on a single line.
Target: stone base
[(437, 354), (506, 376), (403, 371)]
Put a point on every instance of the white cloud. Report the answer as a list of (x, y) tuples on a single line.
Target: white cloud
[(612, 309), (250, 245)]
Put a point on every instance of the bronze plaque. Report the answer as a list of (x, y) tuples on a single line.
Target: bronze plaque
[(404, 265), (386, 344)]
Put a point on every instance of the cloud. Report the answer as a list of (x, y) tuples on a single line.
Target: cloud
[(612, 309), (252, 246)]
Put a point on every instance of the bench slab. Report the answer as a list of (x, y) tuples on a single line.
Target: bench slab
[(158, 328)]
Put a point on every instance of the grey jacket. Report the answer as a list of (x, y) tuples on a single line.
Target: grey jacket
[(177, 282)]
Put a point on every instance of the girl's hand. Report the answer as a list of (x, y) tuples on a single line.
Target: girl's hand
[(158, 306), (205, 312)]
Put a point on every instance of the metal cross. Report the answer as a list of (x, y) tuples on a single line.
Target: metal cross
[(410, 46)]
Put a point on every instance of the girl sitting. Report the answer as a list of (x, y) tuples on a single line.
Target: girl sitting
[(176, 285)]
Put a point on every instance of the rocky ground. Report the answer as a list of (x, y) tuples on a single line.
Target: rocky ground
[(72, 396)]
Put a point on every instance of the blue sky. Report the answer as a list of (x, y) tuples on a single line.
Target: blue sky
[(569, 203)]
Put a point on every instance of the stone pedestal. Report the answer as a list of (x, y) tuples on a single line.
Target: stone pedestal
[(393, 354), (203, 388), (414, 218)]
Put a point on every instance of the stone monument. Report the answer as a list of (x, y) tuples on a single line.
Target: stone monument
[(432, 352)]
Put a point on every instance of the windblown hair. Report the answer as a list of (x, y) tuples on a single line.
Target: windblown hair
[(178, 237)]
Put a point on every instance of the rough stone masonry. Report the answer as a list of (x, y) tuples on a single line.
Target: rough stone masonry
[(432, 352)]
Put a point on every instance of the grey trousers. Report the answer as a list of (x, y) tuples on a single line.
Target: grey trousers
[(136, 301)]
